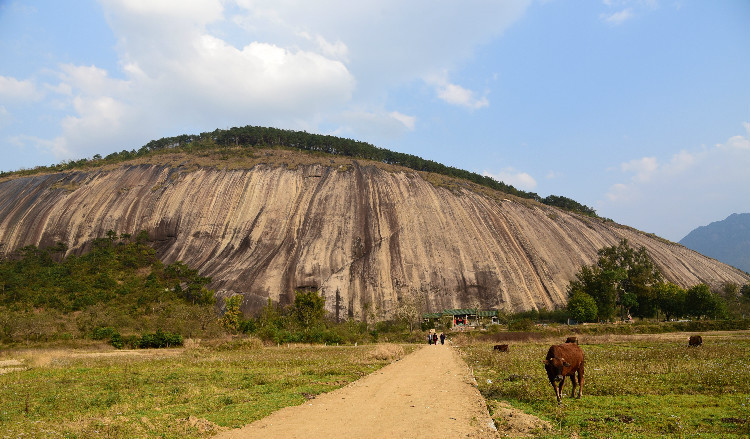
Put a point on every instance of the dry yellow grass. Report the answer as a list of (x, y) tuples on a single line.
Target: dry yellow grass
[(385, 352)]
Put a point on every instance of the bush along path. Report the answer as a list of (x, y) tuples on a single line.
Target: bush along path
[(427, 394)]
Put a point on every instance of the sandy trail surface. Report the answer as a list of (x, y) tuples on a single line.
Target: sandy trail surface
[(429, 393)]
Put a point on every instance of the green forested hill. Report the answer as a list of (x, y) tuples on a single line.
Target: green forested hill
[(119, 283), (254, 137)]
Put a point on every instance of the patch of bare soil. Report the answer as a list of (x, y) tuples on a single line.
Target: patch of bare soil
[(427, 394), (512, 422), (203, 425)]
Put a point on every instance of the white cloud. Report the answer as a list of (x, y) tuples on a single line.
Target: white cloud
[(627, 9), (188, 65), (193, 66), (97, 122), (619, 192), (386, 39), (204, 11), (680, 162), (5, 117), (518, 179), (619, 17), (370, 124), (267, 76), (15, 90), (55, 146), (457, 95), (738, 142), (336, 50), (88, 80), (642, 168), (690, 188), (408, 121)]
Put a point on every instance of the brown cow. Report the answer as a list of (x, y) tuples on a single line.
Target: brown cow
[(564, 360), (571, 340), (695, 340), (501, 347)]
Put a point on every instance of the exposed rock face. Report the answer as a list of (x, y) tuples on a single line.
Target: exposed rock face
[(365, 236)]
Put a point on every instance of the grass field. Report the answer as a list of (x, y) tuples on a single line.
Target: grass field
[(635, 386), (171, 393)]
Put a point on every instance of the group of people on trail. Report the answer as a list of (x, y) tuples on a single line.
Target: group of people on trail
[(432, 338)]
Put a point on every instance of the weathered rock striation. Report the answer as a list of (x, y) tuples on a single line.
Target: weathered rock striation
[(365, 236)]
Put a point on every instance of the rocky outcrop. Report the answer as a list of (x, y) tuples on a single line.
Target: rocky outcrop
[(365, 236)]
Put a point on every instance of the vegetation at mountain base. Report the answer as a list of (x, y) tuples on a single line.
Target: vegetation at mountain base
[(306, 321), (263, 137), (117, 289), (626, 280), (120, 292)]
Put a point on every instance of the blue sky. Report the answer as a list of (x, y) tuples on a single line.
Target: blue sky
[(637, 108)]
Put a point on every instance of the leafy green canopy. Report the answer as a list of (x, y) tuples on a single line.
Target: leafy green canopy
[(122, 270), (627, 280), (582, 307), (252, 136)]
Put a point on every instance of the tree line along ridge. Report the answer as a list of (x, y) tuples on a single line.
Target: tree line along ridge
[(260, 137)]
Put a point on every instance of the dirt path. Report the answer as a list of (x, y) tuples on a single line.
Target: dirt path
[(427, 394)]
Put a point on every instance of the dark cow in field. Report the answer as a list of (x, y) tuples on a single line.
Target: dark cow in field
[(695, 340), (564, 360), (571, 340), (501, 347)]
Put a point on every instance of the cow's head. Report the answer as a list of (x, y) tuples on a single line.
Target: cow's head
[(554, 367)]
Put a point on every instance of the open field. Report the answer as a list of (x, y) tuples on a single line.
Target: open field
[(636, 386), (191, 392)]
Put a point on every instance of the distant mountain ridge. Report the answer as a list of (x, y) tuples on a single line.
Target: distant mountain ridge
[(727, 241)]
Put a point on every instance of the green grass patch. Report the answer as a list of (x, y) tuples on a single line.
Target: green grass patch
[(185, 393), (632, 389)]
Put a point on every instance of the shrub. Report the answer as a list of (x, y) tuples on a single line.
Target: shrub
[(159, 339), (248, 326), (524, 324), (104, 333), (117, 341), (582, 307)]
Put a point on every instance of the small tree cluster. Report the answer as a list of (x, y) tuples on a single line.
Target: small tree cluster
[(626, 280), (119, 282)]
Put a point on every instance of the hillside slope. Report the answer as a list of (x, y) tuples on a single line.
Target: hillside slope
[(367, 235)]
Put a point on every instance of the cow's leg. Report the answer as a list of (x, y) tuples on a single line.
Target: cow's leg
[(562, 381), (557, 391), (580, 381), (573, 385)]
